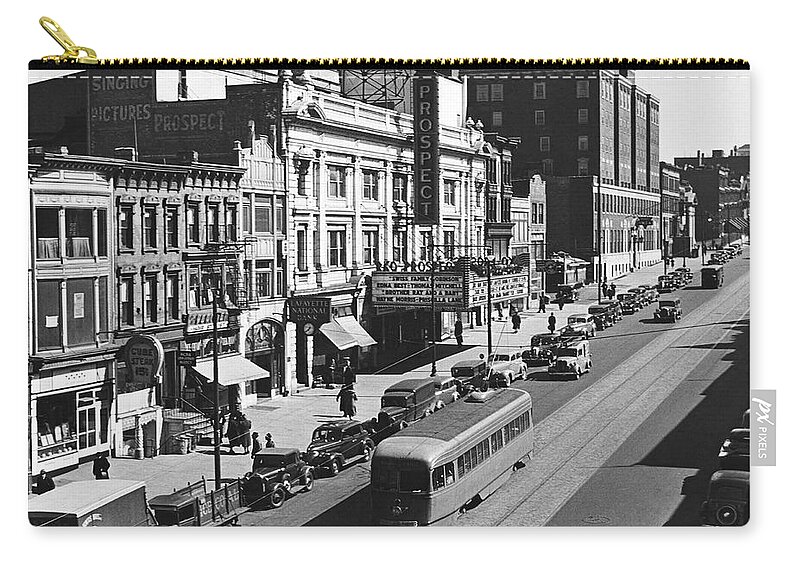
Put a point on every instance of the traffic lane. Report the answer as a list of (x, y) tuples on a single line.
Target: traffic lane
[(659, 475)]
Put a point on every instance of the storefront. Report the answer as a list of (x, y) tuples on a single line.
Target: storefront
[(265, 346)]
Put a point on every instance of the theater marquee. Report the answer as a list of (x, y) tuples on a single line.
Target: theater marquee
[(426, 149)]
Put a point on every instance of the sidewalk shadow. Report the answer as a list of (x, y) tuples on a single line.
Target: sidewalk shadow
[(424, 357)]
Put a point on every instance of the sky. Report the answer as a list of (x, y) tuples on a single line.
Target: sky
[(699, 110)]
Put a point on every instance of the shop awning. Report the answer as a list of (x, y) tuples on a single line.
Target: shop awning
[(350, 324), (340, 338), (740, 224), (231, 369)]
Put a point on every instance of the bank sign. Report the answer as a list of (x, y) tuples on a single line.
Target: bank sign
[(144, 358), (426, 148), (316, 310)]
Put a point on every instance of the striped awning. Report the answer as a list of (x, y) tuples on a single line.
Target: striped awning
[(740, 224)]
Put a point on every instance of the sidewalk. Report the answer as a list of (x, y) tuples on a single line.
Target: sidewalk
[(291, 420)]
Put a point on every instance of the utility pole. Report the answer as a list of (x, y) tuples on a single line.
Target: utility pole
[(433, 309), (217, 463), (599, 248), (488, 307)]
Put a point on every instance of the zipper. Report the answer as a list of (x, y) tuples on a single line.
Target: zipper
[(73, 56)]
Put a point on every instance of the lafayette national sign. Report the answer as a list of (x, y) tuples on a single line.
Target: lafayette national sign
[(316, 310), (426, 149)]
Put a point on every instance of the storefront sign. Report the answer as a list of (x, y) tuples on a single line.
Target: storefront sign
[(187, 358), (400, 289), (144, 357), (316, 310), (426, 148), (504, 288), (203, 321)]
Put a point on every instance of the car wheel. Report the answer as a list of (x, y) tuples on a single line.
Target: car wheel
[(726, 515), (277, 497), (439, 405), (367, 452), (335, 468), (308, 483), (286, 482)]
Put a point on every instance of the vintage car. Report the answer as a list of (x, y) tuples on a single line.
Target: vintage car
[(735, 450), (337, 444), (602, 316), (669, 311), (569, 292), (717, 257), (628, 302), (728, 500), (505, 367), (409, 400), (650, 293), (614, 307), (572, 360), (687, 273), (470, 374), (581, 325), (678, 278), (543, 349), (277, 472), (666, 284), (641, 294), (447, 391)]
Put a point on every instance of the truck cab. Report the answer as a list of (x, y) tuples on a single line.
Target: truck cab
[(409, 400)]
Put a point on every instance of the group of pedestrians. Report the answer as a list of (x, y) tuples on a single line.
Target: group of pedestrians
[(43, 482), (609, 291), (544, 299), (238, 434)]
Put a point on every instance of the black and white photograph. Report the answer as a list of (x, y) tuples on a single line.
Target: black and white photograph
[(486, 296)]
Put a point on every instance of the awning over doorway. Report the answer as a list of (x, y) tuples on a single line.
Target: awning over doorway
[(340, 338), (740, 224), (232, 370), (350, 324)]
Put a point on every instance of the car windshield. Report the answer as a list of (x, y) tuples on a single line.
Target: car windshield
[(567, 351), (595, 310), (463, 372), (624, 296), (572, 320), (666, 303), (501, 357), (394, 400), (540, 340), (326, 434), (269, 461)]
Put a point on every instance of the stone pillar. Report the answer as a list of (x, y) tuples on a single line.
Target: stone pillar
[(62, 234), (138, 439), (322, 226), (357, 243), (64, 309)]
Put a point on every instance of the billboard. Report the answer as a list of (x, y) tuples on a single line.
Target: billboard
[(426, 149)]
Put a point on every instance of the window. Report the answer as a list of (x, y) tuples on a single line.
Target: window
[(399, 246), (497, 118), (264, 278), (151, 299), (548, 166), (370, 238), (302, 261), (425, 246), (212, 223), (280, 214), (450, 192), (370, 184), (193, 223), (497, 91), (491, 209), (538, 117), (539, 91), (102, 231), (47, 240), (336, 248), (246, 212), (400, 187), (195, 290), (172, 297), (482, 93), (171, 227), (582, 89), (505, 212), (583, 116), (149, 227), (583, 167), (230, 223), (583, 143), (79, 232), (126, 301), (264, 214), (315, 178), (449, 244), (544, 144), (506, 172), (491, 171), (336, 177)]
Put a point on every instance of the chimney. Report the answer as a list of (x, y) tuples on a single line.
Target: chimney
[(717, 153), (273, 137), (183, 86), (702, 159), (126, 153)]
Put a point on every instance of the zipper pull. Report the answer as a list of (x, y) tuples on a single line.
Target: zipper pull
[(72, 52)]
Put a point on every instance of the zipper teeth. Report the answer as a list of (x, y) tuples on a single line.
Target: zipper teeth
[(598, 62)]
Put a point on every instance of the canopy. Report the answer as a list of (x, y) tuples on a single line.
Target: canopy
[(350, 324), (740, 224), (345, 332), (231, 370)]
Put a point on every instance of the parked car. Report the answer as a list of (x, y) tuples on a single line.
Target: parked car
[(735, 450), (409, 400), (687, 273), (603, 318), (641, 296), (678, 278), (337, 444), (572, 360), (728, 499), (447, 391), (717, 258), (579, 325), (543, 349), (568, 292), (665, 284), (614, 308), (470, 374), (669, 311), (650, 293), (505, 367), (628, 302), (189, 506), (277, 472)]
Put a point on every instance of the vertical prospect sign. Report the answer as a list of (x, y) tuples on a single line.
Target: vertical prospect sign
[(426, 148)]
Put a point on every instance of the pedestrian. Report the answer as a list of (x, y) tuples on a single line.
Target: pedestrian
[(233, 431), (560, 303), (348, 374), (332, 372), (613, 290), (347, 401), (542, 303), (256, 444), (244, 432), (100, 467), (672, 262), (43, 483), (268, 441), (605, 289), (516, 320), (551, 323), (458, 330)]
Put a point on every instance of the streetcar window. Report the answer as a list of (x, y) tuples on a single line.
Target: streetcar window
[(413, 481), (461, 467), (449, 474), (438, 478)]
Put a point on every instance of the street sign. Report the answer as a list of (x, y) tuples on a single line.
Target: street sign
[(187, 358)]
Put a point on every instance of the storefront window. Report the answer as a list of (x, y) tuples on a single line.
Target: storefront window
[(79, 232), (57, 425), (47, 233)]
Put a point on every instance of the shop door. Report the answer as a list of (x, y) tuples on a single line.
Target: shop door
[(88, 424)]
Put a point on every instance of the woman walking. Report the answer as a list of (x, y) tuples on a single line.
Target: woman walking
[(347, 401)]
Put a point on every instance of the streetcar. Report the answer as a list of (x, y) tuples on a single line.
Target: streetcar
[(434, 469)]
